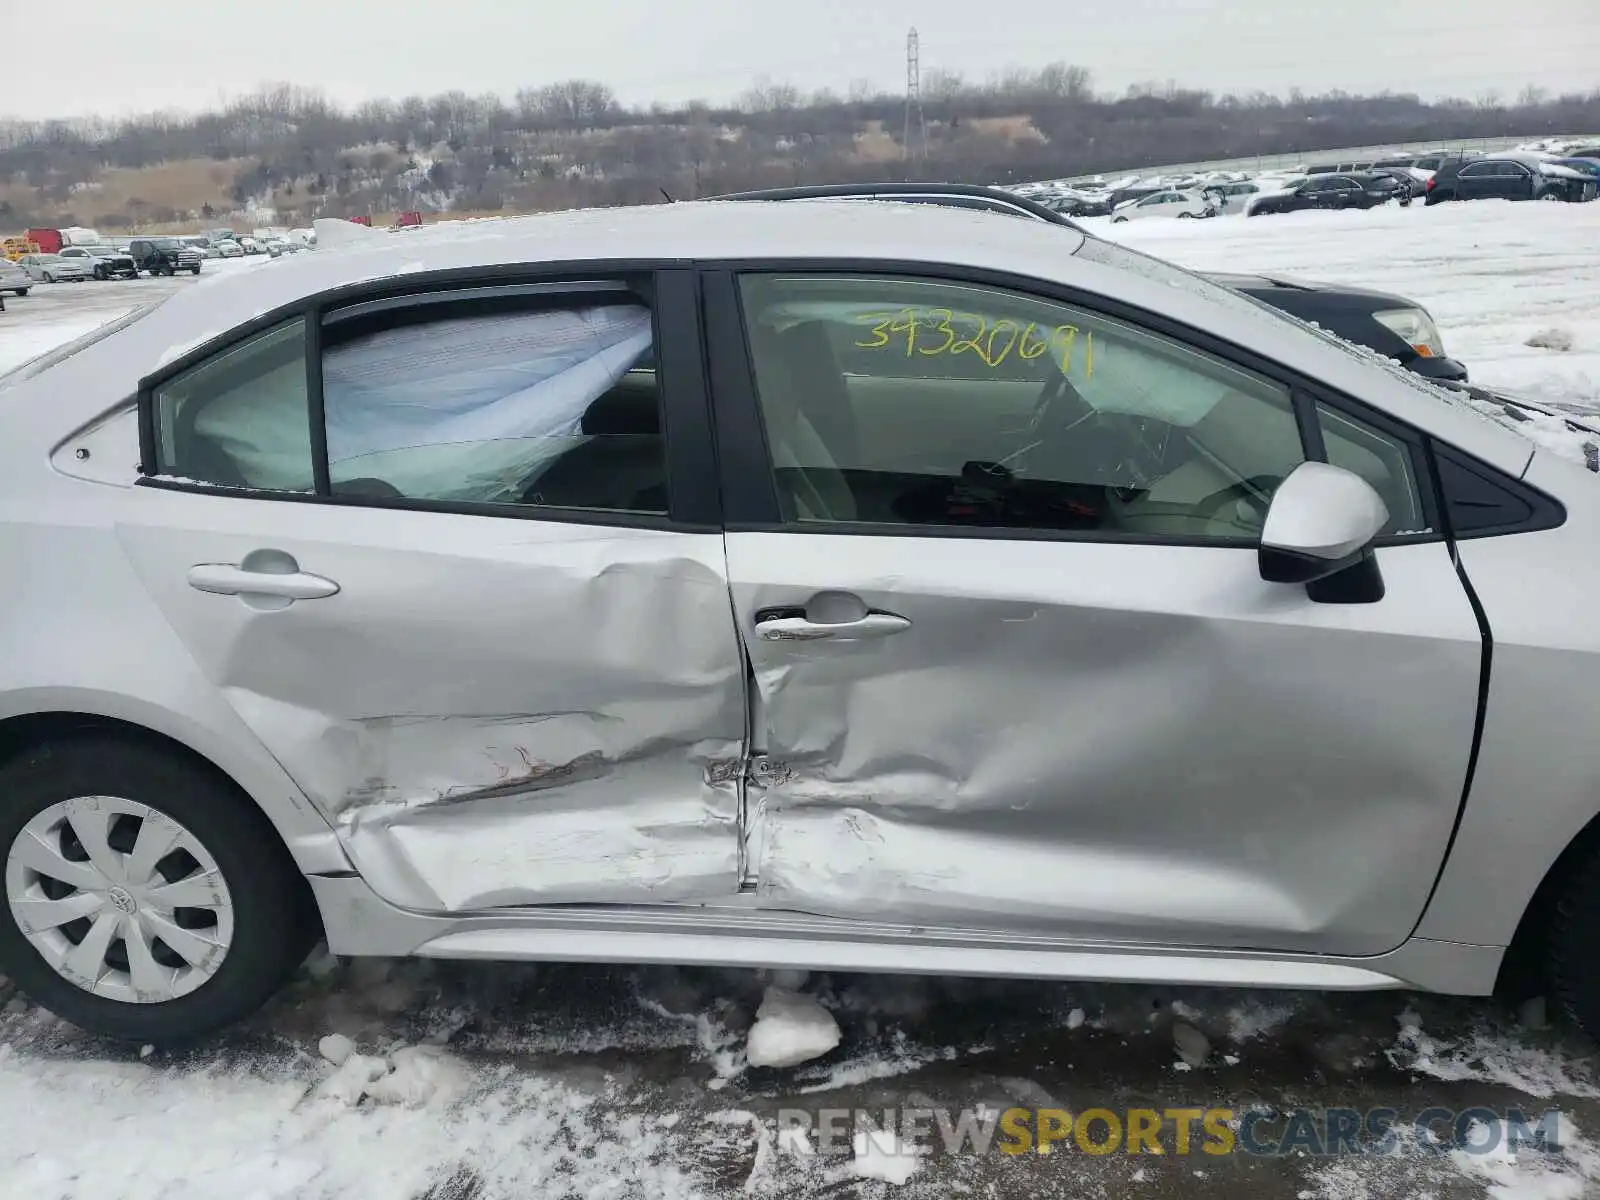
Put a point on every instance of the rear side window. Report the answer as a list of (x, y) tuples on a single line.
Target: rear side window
[(528, 400), (242, 417), (547, 405)]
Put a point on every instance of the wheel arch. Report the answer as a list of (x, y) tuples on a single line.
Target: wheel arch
[(304, 834), (1524, 967)]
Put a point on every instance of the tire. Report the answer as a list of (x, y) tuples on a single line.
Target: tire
[(262, 895), (1573, 969), (22, 291), (1119, 220), (195, 270), (1186, 216)]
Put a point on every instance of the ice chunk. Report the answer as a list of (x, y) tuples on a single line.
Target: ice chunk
[(880, 1154), (1192, 1045), (789, 1029), (420, 1074), (350, 1082), (1075, 1018), (336, 1048)]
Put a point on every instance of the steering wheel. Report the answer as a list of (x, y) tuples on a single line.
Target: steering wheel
[(1105, 452)]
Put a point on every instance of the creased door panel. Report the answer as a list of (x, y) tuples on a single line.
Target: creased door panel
[(1130, 742), (490, 711)]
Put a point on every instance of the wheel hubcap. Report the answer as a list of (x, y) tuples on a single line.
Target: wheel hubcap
[(120, 899)]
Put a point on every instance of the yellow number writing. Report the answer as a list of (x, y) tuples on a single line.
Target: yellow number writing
[(1004, 325), (1039, 347), (945, 328), (880, 330), (973, 342), (906, 323)]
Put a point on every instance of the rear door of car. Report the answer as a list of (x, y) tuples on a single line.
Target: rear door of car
[(1015, 668), (430, 544)]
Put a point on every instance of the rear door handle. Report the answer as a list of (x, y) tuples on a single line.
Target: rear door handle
[(802, 629), (226, 579)]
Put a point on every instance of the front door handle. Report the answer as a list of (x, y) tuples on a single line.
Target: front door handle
[(802, 629)]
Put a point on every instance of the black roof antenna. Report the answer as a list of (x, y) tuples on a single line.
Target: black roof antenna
[(668, 195)]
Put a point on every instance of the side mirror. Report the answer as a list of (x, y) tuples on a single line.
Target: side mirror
[(1321, 523)]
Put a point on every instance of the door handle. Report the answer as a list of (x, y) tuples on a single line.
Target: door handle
[(802, 629), (225, 579)]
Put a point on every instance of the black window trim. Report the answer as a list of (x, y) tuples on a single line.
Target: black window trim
[(673, 295), (750, 497)]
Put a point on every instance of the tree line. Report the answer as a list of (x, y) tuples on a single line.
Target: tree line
[(572, 142)]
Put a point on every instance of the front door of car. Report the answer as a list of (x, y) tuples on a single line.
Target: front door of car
[(479, 612), (994, 560)]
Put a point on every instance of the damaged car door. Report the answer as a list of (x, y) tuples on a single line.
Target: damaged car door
[(1016, 669), (432, 547)]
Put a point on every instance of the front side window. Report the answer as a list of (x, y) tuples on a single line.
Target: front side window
[(914, 402)]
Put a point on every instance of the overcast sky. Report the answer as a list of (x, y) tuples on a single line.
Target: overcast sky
[(112, 57)]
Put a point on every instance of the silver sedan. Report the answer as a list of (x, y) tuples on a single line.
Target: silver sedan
[(822, 585), (52, 268), (14, 277)]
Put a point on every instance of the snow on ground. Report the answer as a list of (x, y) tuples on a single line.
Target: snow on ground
[(1494, 274), (477, 1082)]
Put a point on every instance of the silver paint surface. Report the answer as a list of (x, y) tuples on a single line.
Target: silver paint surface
[(1109, 741), (489, 711)]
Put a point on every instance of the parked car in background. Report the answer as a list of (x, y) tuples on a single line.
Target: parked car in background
[(1587, 166), (251, 245), (1165, 204), (1441, 185), (1522, 177), (164, 256), (52, 268), (1080, 205), (1409, 186), (14, 278), (1333, 191), (106, 262), (202, 245), (228, 248), (1235, 197)]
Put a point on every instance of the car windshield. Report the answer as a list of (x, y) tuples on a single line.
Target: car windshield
[(164, 243)]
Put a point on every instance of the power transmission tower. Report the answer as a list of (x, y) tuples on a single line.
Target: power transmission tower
[(914, 115)]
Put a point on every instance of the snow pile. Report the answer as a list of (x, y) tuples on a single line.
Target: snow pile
[(790, 1029), (1489, 1057), (127, 1131), (1526, 1173)]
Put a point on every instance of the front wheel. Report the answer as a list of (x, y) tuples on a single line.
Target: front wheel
[(146, 899), (195, 270), (22, 291), (1119, 220), (1186, 216)]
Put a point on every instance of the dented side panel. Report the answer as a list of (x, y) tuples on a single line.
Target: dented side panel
[(1108, 741), (490, 711)]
